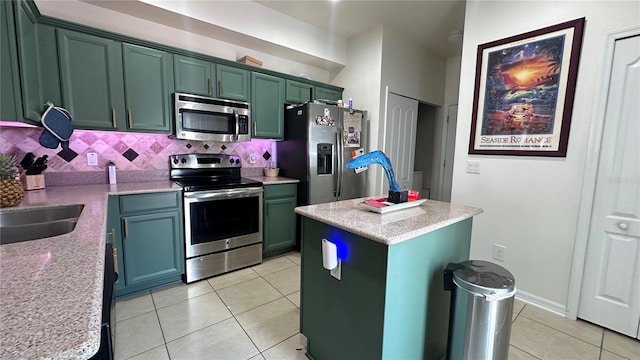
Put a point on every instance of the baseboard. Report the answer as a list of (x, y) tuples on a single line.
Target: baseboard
[(541, 303)]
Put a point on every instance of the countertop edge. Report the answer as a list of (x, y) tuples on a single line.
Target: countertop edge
[(338, 214), (273, 180)]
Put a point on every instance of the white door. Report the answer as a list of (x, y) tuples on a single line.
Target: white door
[(610, 294), (449, 149), (400, 137)]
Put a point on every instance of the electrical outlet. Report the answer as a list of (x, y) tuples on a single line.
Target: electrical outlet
[(252, 158), (92, 159), (473, 166), (498, 252)]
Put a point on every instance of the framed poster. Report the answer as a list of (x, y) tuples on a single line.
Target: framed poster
[(524, 91)]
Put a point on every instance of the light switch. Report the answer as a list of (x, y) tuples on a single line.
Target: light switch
[(473, 166), (92, 159)]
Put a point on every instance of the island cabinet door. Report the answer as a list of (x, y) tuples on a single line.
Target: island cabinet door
[(342, 319), (149, 252)]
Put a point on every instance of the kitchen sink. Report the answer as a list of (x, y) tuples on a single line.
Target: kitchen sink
[(38, 223)]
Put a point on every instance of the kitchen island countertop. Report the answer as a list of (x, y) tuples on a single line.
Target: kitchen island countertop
[(390, 228), (51, 288), (273, 180)]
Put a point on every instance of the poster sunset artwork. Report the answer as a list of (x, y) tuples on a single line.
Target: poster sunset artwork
[(524, 93), (522, 88)]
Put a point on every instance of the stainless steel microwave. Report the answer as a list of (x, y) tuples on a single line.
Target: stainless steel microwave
[(209, 119)]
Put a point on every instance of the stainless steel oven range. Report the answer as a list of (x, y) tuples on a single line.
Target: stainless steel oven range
[(222, 214)]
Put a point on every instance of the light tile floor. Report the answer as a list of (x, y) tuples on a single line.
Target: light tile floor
[(253, 314)]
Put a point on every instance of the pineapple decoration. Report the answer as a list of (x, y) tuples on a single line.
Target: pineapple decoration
[(11, 191)]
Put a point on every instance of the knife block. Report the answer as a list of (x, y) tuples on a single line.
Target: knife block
[(32, 182)]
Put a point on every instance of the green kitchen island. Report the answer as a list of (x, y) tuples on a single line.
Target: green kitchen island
[(389, 302)]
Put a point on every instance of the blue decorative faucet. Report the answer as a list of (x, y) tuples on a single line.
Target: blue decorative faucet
[(376, 157)]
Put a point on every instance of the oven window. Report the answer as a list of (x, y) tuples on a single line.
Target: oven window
[(223, 219), (205, 121)]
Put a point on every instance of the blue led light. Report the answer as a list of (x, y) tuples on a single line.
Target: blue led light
[(341, 245)]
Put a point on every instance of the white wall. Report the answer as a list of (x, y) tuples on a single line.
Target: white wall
[(117, 22), (531, 203), (361, 82), (410, 70)]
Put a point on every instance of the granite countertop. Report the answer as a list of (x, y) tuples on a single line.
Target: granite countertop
[(389, 228), (51, 288), (272, 180)]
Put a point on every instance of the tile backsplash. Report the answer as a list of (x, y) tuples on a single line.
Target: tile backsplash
[(129, 151)]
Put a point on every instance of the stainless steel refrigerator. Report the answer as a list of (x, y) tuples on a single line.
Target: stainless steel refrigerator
[(318, 142)]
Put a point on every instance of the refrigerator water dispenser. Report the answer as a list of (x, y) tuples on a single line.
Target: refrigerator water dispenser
[(325, 159)]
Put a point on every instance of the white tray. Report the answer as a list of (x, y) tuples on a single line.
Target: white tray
[(391, 206)]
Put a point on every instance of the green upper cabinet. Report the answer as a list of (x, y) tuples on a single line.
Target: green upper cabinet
[(267, 106), (148, 85), (233, 83), (92, 82), (108, 85), (194, 76), (327, 93), (37, 56), (199, 77), (10, 101), (298, 92)]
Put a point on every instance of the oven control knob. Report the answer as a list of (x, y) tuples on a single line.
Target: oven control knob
[(183, 160), (175, 160), (237, 161)]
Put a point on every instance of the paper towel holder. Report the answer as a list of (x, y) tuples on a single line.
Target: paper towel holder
[(330, 260)]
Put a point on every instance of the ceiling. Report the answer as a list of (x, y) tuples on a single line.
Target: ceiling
[(428, 22)]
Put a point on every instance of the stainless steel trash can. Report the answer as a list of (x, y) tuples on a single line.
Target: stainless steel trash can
[(481, 310)]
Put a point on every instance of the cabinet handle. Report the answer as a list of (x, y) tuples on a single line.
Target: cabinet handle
[(126, 229), (113, 236), (129, 118), (115, 260), (113, 117), (254, 128), (219, 88), (209, 90)]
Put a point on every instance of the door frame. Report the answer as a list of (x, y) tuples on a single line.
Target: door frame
[(591, 170)]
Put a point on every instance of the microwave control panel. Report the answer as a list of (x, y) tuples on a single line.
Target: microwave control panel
[(243, 124)]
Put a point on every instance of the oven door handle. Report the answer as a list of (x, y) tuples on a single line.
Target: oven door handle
[(225, 194)]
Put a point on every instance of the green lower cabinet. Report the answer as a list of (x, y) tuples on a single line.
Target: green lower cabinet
[(388, 304), (267, 106), (149, 247), (327, 94), (279, 225), (149, 240)]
